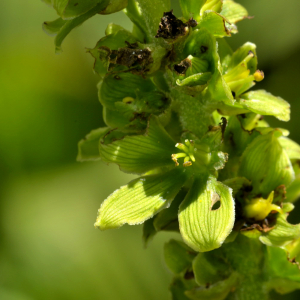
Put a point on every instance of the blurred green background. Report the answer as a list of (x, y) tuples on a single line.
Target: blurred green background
[(49, 248)]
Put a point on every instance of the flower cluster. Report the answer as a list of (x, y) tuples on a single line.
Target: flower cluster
[(179, 115)]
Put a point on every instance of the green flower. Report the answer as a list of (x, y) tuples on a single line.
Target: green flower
[(168, 167)]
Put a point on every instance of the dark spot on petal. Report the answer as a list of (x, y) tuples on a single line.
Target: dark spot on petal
[(203, 49)]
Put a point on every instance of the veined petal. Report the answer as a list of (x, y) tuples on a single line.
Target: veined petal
[(292, 148), (88, 148), (214, 23), (141, 153), (202, 227), (215, 5), (282, 234), (264, 103), (266, 164), (240, 54), (139, 200), (233, 11)]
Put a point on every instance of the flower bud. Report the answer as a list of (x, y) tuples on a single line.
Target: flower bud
[(259, 208)]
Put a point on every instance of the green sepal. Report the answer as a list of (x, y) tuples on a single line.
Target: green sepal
[(70, 9), (115, 38), (178, 256), (214, 23), (115, 88), (291, 148), (293, 190), (179, 286), (217, 291), (210, 267), (240, 54), (266, 164), (148, 231), (219, 90), (52, 28), (168, 219), (215, 5), (240, 133), (124, 120), (236, 184), (88, 148), (141, 153), (264, 103), (202, 227), (233, 12), (283, 275), (201, 44), (191, 9), (194, 80), (61, 29), (140, 199), (225, 52), (282, 233), (146, 15)]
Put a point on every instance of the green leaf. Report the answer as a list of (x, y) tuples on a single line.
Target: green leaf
[(167, 219), (217, 291), (202, 227), (148, 231), (266, 164), (214, 23), (140, 200), (195, 80), (282, 234), (191, 9), (233, 11), (146, 15), (62, 29), (178, 256), (284, 276), (215, 5), (291, 148), (88, 148), (210, 267), (262, 102), (141, 153)]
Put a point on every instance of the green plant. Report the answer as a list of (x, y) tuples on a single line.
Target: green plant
[(179, 114)]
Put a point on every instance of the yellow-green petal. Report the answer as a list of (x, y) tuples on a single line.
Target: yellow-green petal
[(140, 199), (141, 153), (264, 103), (202, 227)]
